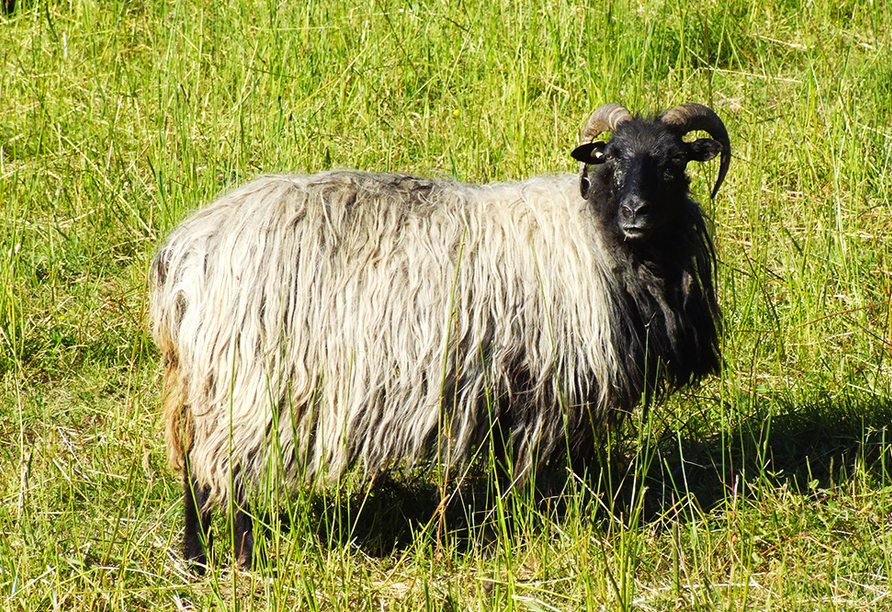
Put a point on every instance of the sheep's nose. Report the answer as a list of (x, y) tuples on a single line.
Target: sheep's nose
[(633, 207)]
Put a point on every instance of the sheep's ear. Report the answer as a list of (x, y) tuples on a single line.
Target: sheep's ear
[(590, 152), (703, 149)]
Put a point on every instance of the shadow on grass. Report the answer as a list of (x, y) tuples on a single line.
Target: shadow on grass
[(810, 448), (389, 515)]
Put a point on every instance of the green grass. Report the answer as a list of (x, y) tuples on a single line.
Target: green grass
[(767, 488)]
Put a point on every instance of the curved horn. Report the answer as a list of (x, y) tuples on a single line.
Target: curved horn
[(604, 119), (689, 117)]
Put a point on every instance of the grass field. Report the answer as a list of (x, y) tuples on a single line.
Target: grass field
[(766, 488)]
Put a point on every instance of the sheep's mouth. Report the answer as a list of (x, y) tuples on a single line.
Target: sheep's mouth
[(637, 232)]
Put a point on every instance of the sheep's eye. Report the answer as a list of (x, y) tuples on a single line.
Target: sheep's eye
[(678, 159)]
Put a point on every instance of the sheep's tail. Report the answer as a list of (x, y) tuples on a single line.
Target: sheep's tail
[(177, 416)]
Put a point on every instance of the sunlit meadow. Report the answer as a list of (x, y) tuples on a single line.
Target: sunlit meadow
[(766, 488)]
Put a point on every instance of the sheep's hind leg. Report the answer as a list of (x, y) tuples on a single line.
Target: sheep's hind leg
[(197, 533)]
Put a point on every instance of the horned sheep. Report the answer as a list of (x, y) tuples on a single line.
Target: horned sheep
[(310, 325)]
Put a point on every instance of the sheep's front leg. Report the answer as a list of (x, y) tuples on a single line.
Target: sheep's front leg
[(198, 524), (243, 535)]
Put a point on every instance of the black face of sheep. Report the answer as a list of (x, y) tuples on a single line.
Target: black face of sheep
[(313, 325), (637, 181)]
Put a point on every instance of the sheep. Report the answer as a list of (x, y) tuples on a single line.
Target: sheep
[(312, 326)]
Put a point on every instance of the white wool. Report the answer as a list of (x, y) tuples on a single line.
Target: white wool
[(314, 323)]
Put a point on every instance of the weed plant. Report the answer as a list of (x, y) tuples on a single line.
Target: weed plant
[(766, 488)]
